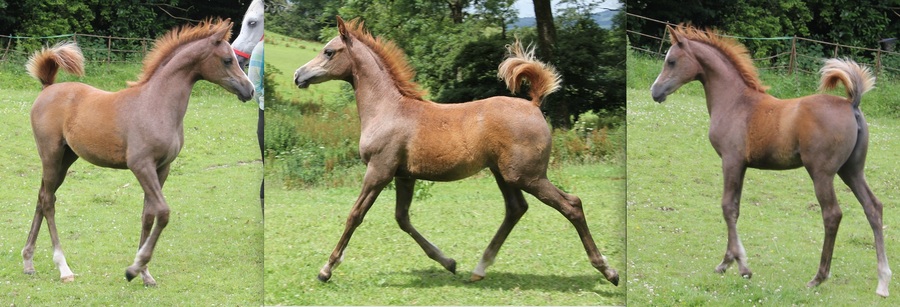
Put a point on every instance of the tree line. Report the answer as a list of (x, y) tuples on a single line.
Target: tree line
[(121, 18), (860, 23)]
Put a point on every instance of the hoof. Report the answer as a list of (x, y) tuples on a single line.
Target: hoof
[(476, 277), (29, 271), (721, 269), (747, 275), (451, 267), (614, 279), (129, 275), (151, 284), (66, 279), (323, 277)]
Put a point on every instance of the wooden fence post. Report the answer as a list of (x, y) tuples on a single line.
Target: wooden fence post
[(793, 62), (662, 40)]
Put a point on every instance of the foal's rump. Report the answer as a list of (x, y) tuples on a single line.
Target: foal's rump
[(83, 118)]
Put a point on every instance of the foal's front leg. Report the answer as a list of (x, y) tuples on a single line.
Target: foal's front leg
[(733, 174), (156, 210), (374, 181)]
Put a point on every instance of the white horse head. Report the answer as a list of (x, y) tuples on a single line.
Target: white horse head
[(251, 32)]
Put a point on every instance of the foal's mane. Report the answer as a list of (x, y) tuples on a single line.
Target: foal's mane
[(393, 57), (168, 43), (733, 50)]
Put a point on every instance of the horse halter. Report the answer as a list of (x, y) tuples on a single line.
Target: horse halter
[(244, 54)]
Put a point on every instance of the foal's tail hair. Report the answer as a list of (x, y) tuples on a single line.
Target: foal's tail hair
[(520, 64), (44, 64), (857, 79)]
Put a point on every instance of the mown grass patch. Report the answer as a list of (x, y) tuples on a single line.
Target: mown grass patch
[(541, 263)]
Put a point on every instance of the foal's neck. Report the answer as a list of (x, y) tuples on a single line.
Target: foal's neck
[(170, 86), (376, 92), (722, 82)]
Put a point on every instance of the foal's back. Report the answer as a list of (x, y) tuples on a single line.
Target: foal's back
[(454, 141), (780, 133)]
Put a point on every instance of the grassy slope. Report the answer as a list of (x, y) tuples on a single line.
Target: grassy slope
[(676, 235), (211, 251), (542, 263)]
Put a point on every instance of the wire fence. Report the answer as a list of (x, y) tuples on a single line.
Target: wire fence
[(96, 48), (788, 53)]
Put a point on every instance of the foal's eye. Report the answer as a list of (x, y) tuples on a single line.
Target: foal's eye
[(328, 53), (228, 61), (670, 62)]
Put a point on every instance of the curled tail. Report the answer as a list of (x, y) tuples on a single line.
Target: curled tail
[(520, 64), (44, 64), (857, 79)]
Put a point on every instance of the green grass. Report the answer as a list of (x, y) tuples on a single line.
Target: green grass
[(676, 234), (541, 263), (211, 251)]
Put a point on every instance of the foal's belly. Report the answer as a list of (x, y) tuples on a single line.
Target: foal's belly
[(96, 140)]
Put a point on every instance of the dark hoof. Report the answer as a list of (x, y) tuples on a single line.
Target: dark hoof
[(452, 266), (747, 275), (129, 275), (324, 277), (614, 279)]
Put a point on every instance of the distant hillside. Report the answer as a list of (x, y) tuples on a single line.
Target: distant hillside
[(604, 19)]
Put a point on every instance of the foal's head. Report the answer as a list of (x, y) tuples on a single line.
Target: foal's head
[(680, 67), (220, 66), (332, 63), (683, 60)]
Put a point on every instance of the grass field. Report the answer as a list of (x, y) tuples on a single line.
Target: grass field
[(211, 251), (542, 262), (676, 234)]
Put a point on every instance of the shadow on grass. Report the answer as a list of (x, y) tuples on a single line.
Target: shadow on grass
[(433, 278)]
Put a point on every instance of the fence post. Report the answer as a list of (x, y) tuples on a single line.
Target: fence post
[(108, 49), (6, 52), (662, 40), (793, 62), (878, 62)]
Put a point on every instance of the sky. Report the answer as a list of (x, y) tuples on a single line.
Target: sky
[(526, 7)]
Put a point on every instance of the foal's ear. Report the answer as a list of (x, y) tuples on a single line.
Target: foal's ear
[(223, 34), (673, 35), (342, 30)]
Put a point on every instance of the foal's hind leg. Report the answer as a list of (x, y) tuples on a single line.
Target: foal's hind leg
[(374, 181), (56, 161), (156, 210), (404, 199), (856, 180), (733, 175), (570, 207), (831, 217), (515, 208)]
